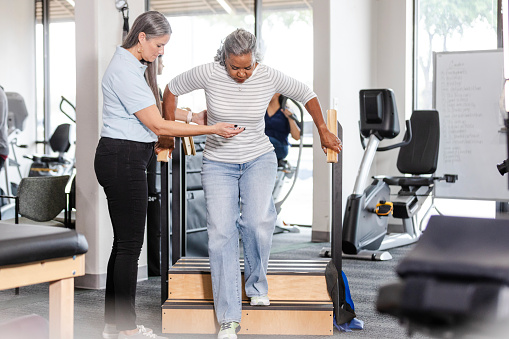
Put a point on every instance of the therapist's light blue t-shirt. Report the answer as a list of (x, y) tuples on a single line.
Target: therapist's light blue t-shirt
[(125, 92)]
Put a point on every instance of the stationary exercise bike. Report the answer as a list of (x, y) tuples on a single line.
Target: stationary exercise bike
[(286, 171), (60, 143), (366, 228)]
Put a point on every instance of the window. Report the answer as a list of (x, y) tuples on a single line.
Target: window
[(62, 66), (451, 25), (193, 43), (287, 36), (197, 33)]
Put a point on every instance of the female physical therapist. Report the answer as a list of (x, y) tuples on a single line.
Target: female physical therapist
[(132, 123)]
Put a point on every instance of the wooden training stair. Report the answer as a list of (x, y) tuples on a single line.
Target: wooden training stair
[(300, 304)]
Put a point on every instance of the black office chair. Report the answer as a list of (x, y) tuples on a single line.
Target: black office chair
[(420, 155), (418, 161), (47, 164)]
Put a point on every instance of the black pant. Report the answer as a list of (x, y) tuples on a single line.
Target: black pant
[(120, 167), (153, 219)]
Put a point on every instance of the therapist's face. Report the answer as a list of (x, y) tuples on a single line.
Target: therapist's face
[(152, 48)]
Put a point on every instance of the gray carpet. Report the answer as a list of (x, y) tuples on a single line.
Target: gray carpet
[(365, 277)]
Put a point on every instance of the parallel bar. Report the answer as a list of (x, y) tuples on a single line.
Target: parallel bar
[(332, 118), (176, 204), (183, 202), (165, 234), (337, 207)]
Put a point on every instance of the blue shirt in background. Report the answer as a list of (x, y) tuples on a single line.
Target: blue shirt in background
[(277, 126), (125, 92)]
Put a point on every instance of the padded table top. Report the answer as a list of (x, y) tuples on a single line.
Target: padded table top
[(21, 243), (470, 249)]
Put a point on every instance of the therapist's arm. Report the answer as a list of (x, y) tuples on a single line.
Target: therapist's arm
[(151, 118)]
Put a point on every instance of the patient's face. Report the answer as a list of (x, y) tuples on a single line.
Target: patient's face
[(240, 67)]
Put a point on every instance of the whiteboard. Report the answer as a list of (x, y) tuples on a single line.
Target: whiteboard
[(466, 94)]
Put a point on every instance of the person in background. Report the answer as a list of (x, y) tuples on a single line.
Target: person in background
[(132, 122), (238, 174), (279, 123), (4, 142)]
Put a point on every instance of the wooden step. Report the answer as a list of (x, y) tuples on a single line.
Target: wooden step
[(189, 279), (280, 318)]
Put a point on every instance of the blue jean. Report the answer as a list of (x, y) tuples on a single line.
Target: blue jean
[(280, 148), (239, 200)]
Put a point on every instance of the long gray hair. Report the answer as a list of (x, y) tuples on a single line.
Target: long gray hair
[(239, 42), (154, 25)]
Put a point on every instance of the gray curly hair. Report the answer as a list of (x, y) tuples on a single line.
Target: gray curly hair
[(239, 42)]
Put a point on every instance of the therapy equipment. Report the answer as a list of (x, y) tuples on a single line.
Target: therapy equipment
[(366, 228)]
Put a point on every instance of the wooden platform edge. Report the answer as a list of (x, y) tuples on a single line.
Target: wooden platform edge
[(278, 319)]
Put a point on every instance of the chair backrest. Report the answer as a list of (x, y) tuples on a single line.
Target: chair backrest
[(42, 198), (59, 140), (420, 156)]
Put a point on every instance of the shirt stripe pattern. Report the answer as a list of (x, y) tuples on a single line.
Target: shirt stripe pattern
[(240, 104)]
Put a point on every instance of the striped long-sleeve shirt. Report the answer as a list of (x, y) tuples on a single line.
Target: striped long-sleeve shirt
[(241, 104)]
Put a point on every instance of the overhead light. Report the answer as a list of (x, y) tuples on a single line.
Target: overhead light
[(226, 6), (121, 4), (71, 2)]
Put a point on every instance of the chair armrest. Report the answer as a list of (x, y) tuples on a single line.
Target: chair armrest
[(16, 207), (67, 211), (9, 196)]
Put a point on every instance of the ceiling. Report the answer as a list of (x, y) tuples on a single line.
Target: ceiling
[(63, 10)]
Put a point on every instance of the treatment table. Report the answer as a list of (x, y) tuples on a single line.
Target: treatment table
[(32, 254)]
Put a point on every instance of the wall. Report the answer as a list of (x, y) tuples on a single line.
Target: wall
[(394, 68), (358, 44), (344, 51)]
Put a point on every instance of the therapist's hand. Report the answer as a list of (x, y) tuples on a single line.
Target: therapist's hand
[(227, 130), (164, 143)]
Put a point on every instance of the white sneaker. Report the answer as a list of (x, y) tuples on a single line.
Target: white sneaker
[(110, 331), (140, 335), (260, 301), (229, 330)]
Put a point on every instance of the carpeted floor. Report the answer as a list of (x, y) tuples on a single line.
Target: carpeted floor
[(365, 277)]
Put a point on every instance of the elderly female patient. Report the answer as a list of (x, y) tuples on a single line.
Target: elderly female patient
[(238, 174)]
